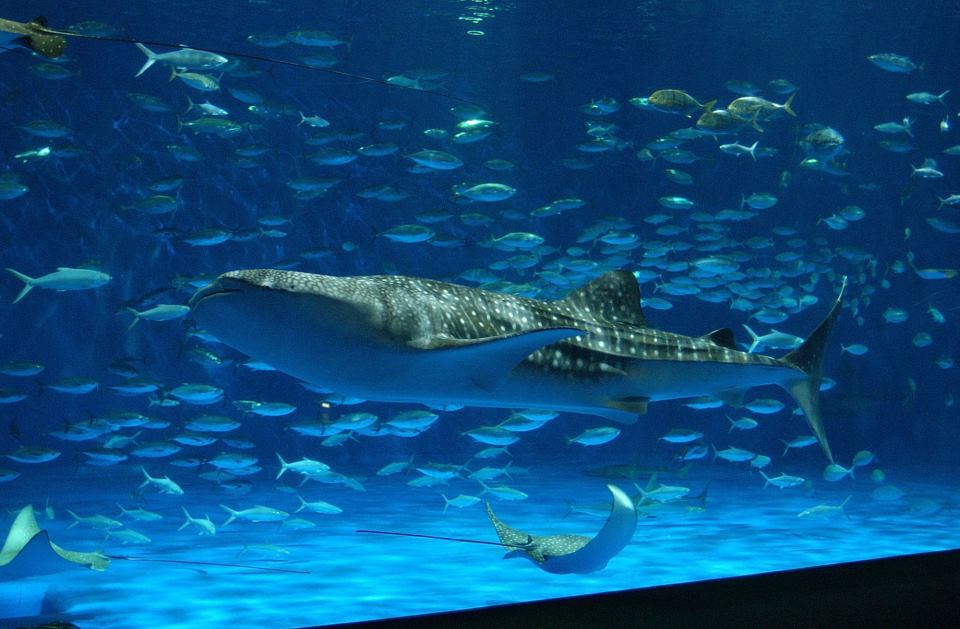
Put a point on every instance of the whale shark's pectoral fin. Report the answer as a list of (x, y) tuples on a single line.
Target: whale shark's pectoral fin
[(731, 397), (488, 361), (610, 370), (636, 405)]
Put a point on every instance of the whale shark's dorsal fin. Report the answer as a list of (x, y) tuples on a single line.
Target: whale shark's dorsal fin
[(613, 297), (722, 337)]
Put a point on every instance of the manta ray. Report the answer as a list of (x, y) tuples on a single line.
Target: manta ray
[(406, 339), (28, 551), (33, 35), (573, 554)]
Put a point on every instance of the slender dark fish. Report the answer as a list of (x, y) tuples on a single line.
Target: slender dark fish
[(51, 43)]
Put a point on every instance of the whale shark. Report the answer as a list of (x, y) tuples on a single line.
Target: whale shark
[(573, 554), (405, 339)]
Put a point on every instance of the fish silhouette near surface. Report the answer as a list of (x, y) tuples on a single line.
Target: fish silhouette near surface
[(406, 339), (37, 36)]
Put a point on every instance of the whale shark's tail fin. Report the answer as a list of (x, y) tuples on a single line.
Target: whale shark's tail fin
[(809, 359)]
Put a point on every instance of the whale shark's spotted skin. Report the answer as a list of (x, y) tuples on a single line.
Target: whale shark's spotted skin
[(406, 339), (610, 313)]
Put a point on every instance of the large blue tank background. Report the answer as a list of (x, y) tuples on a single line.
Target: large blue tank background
[(541, 72)]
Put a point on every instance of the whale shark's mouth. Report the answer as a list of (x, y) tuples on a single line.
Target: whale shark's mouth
[(214, 290), (225, 284)]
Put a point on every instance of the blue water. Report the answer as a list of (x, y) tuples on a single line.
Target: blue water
[(80, 211)]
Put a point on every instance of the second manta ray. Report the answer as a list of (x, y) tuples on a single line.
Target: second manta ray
[(405, 339), (573, 554)]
